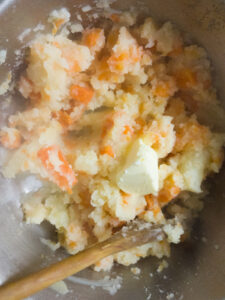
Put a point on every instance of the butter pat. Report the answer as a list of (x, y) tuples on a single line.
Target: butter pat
[(139, 175)]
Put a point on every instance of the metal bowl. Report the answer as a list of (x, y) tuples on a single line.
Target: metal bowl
[(196, 268)]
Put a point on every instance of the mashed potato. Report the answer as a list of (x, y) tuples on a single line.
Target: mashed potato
[(90, 100)]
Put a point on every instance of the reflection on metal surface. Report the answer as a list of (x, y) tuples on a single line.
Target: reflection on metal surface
[(196, 269), (5, 3)]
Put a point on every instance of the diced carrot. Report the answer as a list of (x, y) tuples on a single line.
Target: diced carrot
[(165, 196), (168, 192), (190, 133), (118, 61), (104, 72), (107, 150), (186, 78), (58, 168), (127, 130), (64, 118), (90, 37), (115, 18), (162, 89), (72, 244), (125, 198), (74, 66), (81, 94), (150, 201), (125, 202), (10, 138), (105, 75), (94, 39), (124, 194), (152, 204)]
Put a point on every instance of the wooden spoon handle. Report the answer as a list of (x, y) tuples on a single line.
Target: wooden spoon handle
[(35, 282)]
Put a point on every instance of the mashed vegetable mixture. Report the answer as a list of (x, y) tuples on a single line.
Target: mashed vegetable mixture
[(110, 125)]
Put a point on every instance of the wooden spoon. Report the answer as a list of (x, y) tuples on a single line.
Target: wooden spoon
[(135, 234)]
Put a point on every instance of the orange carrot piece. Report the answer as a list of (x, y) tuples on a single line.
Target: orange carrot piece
[(64, 119), (94, 38), (127, 130), (107, 150), (124, 194), (162, 90), (118, 62), (186, 78), (125, 202), (125, 198), (81, 93), (58, 168), (168, 192), (115, 18), (152, 204), (190, 133), (72, 244)]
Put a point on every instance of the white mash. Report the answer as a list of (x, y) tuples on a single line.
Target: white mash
[(111, 129)]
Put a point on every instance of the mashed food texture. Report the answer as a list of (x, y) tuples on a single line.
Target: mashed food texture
[(110, 126)]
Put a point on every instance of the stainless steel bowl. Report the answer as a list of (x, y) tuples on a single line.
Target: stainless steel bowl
[(197, 268)]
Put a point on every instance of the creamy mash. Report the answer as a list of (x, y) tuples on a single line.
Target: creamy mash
[(111, 127)]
